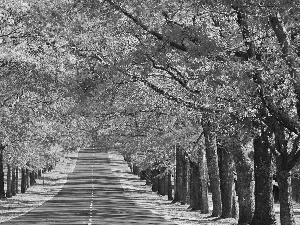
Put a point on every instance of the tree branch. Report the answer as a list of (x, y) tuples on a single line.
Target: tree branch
[(138, 22), (180, 101)]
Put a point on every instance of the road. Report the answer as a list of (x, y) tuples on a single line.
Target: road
[(91, 195)]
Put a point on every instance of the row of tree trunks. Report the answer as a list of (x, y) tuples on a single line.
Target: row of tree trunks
[(255, 199), (161, 180), (28, 178)]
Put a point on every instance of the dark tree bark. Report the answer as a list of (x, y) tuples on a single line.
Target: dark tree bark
[(195, 190), (143, 175), (245, 181), (148, 177), (170, 194), (285, 198), (296, 189), (8, 182), (13, 181), (27, 177), (32, 178), (154, 180), (2, 191), (212, 164), (284, 177), (166, 184), (188, 195), (185, 179), (17, 180), (264, 211), (23, 180), (135, 170), (39, 173), (226, 177), (161, 182), (178, 175)]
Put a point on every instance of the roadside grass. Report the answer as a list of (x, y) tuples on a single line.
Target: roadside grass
[(176, 213), (39, 193)]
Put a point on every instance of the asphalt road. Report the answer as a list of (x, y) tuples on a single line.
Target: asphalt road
[(92, 195)]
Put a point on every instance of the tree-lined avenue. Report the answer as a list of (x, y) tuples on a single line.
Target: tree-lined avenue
[(92, 195)]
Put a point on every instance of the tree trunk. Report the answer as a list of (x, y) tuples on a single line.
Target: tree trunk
[(235, 210), (39, 173), (284, 177), (154, 174), (13, 181), (226, 177), (148, 177), (135, 170), (296, 189), (161, 182), (188, 170), (32, 178), (166, 184), (23, 180), (285, 197), (27, 177), (8, 182), (245, 181), (195, 190), (17, 180), (212, 164), (204, 207), (178, 175), (170, 194), (143, 175), (264, 211), (2, 191), (185, 177)]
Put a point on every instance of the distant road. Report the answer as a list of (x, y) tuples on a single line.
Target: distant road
[(92, 195)]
